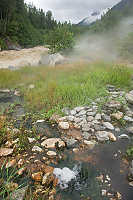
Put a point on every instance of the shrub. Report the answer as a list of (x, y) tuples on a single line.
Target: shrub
[(60, 39)]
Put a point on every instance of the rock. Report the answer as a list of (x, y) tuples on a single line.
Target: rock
[(130, 129), (90, 118), (40, 121), (11, 163), (51, 143), (78, 109), (98, 116), (123, 136), (85, 127), (108, 125), (77, 120), (86, 135), (64, 176), (113, 104), (91, 114), (70, 118), (36, 148), (64, 125), (91, 144), (82, 112), (98, 127), (117, 116), (52, 59), (73, 112), (129, 97), (37, 176), (19, 194), (112, 137), (128, 119), (5, 151), (55, 118), (117, 129), (51, 153), (104, 192), (102, 136), (106, 118), (31, 140), (70, 142)]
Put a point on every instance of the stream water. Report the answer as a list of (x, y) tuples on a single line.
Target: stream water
[(104, 159)]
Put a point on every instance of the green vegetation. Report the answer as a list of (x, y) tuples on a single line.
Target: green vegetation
[(65, 86), (25, 25), (60, 39)]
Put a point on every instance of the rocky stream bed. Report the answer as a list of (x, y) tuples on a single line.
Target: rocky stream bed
[(78, 156)]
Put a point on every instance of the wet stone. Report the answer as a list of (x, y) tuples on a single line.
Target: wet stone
[(71, 142), (102, 136), (128, 119), (108, 125), (86, 135), (52, 142), (130, 129), (106, 118)]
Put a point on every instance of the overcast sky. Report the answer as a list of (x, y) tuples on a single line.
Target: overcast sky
[(73, 10)]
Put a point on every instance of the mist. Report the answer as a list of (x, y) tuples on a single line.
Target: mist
[(94, 47)]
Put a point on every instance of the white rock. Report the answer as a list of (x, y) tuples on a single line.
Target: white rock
[(40, 121), (5, 151), (102, 136), (64, 176), (98, 116), (64, 125), (129, 97), (51, 153), (108, 125), (128, 119), (51, 143), (123, 136), (112, 137), (31, 140), (36, 148)]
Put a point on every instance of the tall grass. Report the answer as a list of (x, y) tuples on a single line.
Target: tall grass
[(67, 85)]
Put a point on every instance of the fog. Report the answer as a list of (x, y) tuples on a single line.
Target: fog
[(93, 47)]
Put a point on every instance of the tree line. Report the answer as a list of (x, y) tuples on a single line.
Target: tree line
[(24, 24)]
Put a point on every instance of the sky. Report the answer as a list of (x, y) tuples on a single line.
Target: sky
[(73, 10)]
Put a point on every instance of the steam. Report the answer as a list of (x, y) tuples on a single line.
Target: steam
[(102, 47)]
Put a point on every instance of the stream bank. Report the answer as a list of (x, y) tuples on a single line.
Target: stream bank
[(88, 143)]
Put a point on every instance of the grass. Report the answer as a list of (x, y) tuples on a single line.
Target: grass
[(65, 86)]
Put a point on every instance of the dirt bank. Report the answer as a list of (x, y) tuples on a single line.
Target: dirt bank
[(21, 58)]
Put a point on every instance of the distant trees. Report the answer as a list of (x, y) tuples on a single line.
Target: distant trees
[(60, 39)]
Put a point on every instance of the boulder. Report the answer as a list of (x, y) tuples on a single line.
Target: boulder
[(52, 59), (51, 143), (129, 97)]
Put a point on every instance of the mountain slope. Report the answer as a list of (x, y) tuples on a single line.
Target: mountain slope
[(123, 9), (93, 17)]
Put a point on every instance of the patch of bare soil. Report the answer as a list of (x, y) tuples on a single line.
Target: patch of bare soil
[(24, 57)]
